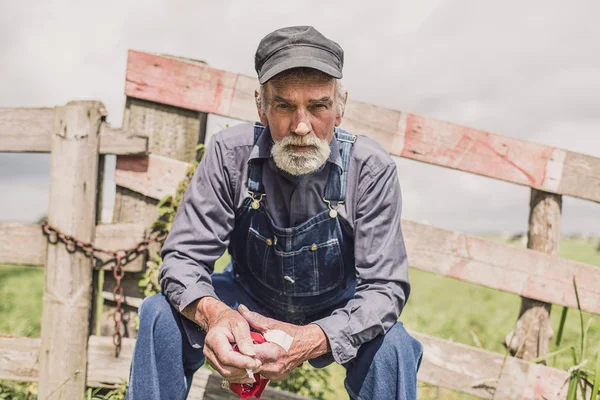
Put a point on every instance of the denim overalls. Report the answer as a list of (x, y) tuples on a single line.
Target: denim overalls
[(300, 273)]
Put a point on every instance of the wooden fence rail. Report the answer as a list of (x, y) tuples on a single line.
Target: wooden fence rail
[(199, 87), (452, 365), (30, 130)]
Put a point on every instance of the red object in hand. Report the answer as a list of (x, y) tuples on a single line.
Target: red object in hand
[(247, 390)]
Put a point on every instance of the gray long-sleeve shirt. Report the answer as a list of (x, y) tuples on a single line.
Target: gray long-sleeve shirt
[(206, 216)]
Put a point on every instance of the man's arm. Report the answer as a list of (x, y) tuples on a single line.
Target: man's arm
[(200, 231), (199, 236), (381, 266)]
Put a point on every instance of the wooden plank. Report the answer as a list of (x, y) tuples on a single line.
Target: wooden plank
[(479, 372), (524, 272), (445, 363), (26, 244), (30, 130), (19, 358), (68, 276), (152, 176), (520, 271), (202, 88), (22, 244), (26, 129), (120, 142), (19, 361)]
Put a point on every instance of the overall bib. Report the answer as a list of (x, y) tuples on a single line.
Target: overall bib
[(300, 273)]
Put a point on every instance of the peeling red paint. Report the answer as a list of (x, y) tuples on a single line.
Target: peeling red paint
[(475, 151)]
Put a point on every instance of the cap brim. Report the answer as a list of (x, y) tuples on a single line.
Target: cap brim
[(315, 58)]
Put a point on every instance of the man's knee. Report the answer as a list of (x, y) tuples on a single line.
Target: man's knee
[(398, 343), (155, 309), (394, 357)]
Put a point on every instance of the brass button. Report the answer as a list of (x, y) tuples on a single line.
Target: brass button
[(313, 247), (269, 242)]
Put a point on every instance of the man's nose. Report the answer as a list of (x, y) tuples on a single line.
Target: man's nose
[(302, 129), (300, 124)]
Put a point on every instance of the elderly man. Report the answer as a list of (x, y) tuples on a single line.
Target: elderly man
[(310, 215)]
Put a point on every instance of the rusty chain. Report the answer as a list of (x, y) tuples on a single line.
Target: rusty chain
[(119, 257)]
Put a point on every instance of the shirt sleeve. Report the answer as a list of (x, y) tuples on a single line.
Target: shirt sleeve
[(381, 266), (200, 231)]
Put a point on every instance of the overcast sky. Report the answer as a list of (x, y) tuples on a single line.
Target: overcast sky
[(527, 69)]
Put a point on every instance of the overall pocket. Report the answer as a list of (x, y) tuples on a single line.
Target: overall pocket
[(313, 269), (262, 262)]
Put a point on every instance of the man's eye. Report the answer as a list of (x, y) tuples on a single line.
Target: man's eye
[(283, 106)]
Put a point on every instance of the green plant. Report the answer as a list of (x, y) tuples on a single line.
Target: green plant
[(12, 390), (307, 381), (117, 393), (581, 378)]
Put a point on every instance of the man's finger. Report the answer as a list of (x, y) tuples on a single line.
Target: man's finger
[(224, 353), (241, 336), (255, 320), (269, 351), (232, 374)]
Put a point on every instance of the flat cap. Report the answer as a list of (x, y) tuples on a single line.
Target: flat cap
[(297, 46)]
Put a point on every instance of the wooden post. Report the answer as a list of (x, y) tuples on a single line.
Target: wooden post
[(68, 276), (532, 333), (172, 132)]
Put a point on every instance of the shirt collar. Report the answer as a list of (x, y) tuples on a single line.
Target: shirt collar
[(262, 148)]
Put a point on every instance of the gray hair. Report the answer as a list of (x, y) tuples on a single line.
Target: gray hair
[(340, 92)]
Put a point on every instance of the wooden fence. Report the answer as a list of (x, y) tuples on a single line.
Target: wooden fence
[(168, 100)]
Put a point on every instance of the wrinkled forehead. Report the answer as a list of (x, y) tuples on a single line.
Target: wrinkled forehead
[(305, 86)]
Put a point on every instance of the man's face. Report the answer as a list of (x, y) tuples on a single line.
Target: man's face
[(301, 115)]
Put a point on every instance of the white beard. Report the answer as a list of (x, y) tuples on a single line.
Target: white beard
[(300, 163)]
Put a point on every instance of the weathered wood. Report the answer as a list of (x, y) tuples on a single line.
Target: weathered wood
[(26, 129), (524, 272), (479, 372), (531, 336), (26, 244), (172, 132), (30, 130), (445, 363), (19, 361), (19, 358), (121, 142), (68, 276), (153, 176), (202, 88), (22, 244)]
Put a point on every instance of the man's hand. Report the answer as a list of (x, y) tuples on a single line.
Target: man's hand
[(309, 342), (224, 326)]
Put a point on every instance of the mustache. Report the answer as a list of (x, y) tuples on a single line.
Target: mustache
[(301, 140)]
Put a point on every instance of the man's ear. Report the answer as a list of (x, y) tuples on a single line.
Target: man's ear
[(261, 112), (340, 117)]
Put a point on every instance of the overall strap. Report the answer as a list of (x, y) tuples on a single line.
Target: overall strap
[(338, 178), (255, 168)]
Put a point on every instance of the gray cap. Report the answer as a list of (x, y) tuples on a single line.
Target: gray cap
[(297, 46)]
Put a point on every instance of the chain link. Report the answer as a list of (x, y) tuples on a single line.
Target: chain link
[(119, 257)]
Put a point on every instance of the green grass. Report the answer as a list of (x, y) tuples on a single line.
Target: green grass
[(21, 290), (438, 306)]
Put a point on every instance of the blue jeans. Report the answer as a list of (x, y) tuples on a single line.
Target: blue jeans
[(164, 360)]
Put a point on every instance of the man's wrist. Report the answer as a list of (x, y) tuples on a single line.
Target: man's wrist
[(204, 311), (318, 340)]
